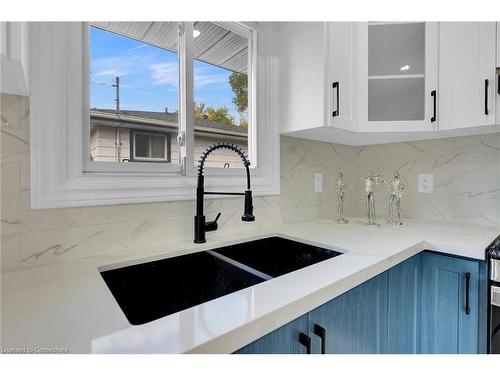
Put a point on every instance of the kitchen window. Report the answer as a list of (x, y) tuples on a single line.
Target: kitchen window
[(122, 111), (135, 83)]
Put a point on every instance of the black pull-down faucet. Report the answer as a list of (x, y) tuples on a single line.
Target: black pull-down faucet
[(200, 226)]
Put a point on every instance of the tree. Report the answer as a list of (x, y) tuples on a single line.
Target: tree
[(200, 111), (239, 85), (220, 115)]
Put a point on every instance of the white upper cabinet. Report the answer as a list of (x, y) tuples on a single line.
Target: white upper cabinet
[(341, 70), (397, 75), (14, 58), (497, 90), (378, 82), (466, 74), (302, 76)]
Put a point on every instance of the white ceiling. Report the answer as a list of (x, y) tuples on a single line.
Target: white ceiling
[(215, 44)]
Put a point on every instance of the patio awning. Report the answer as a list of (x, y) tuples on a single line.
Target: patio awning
[(214, 45)]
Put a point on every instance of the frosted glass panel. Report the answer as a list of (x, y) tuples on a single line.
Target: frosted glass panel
[(396, 99), (396, 49)]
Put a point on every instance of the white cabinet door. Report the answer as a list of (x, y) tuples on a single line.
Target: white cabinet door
[(397, 74), (302, 63), (466, 74), (342, 62)]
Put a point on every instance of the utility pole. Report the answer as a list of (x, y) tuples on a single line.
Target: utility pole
[(117, 86)]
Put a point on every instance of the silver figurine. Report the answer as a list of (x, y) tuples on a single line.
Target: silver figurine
[(396, 188), (370, 182), (341, 187)]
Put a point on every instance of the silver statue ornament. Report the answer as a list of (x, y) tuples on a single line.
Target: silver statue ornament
[(340, 188), (396, 188), (370, 182)]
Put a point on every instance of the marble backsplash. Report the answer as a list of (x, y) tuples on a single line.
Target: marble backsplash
[(466, 188), (466, 172)]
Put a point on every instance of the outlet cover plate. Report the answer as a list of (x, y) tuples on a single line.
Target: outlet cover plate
[(318, 182), (425, 183)]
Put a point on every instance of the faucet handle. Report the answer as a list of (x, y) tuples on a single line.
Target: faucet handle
[(248, 213), (212, 225)]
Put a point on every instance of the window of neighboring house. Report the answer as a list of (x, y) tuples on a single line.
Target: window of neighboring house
[(152, 147)]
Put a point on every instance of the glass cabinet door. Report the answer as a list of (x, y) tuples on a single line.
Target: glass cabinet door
[(396, 71)]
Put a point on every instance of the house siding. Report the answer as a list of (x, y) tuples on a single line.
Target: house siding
[(103, 147)]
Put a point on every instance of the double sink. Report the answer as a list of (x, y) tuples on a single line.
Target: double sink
[(152, 290)]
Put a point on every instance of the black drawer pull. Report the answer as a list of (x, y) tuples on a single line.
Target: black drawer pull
[(321, 333), (336, 85), (486, 84), (434, 95), (306, 341), (467, 284)]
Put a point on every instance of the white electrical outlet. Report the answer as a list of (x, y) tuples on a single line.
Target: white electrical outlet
[(318, 182), (425, 183)]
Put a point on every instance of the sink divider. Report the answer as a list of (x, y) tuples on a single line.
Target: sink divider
[(239, 265)]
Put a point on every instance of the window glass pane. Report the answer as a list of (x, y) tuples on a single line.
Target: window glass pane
[(220, 63), (158, 147), (396, 49), (396, 99), (134, 87), (142, 145)]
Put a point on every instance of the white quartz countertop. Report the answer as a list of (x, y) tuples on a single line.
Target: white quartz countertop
[(68, 305)]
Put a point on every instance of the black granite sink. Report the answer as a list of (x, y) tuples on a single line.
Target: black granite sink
[(149, 291), (152, 290)]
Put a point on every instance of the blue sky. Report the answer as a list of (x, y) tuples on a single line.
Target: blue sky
[(149, 76)]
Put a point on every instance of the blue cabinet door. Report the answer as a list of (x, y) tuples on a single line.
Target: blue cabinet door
[(354, 322), (446, 327), (403, 331), (284, 340)]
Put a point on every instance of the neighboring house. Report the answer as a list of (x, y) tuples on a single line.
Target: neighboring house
[(142, 136)]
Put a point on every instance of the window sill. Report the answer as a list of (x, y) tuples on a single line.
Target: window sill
[(95, 189)]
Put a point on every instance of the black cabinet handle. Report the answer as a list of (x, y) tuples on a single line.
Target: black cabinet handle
[(498, 82), (434, 94), (306, 341), (321, 333), (486, 84), (336, 85), (467, 284)]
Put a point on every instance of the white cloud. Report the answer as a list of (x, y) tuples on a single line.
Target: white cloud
[(204, 77), (117, 66), (165, 73)]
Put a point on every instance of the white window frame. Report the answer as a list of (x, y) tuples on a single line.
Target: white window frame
[(89, 165), (59, 108)]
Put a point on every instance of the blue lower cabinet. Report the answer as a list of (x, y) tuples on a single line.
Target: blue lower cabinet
[(429, 303), (355, 322), (284, 340), (450, 305), (403, 323)]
